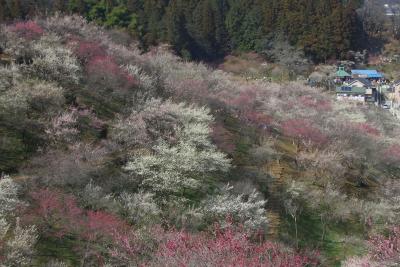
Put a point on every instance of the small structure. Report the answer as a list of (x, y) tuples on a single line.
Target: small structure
[(351, 93), (341, 74), (360, 82), (357, 94), (367, 74)]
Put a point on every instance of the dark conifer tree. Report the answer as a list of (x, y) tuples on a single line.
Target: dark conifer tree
[(15, 9), (3, 10), (208, 29)]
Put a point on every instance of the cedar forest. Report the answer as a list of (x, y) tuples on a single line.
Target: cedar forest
[(209, 29), (119, 150)]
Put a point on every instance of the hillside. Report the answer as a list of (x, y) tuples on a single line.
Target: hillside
[(112, 156)]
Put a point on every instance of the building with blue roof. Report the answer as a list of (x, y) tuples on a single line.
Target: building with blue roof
[(367, 74)]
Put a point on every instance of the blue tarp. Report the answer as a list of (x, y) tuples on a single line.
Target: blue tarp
[(367, 73)]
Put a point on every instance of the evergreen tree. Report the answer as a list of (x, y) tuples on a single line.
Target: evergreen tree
[(98, 13), (77, 6), (134, 6), (59, 5), (208, 29), (3, 10), (15, 10), (118, 17), (176, 32)]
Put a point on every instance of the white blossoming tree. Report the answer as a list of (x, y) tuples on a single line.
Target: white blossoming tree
[(182, 161), (141, 208), (17, 247), (20, 248), (251, 212), (8, 195), (53, 62)]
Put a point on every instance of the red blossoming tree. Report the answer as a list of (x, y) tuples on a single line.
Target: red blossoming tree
[(387, 248), (86, 50), (104, 72), (98, 232), (366, 128), (392, 154), (28, 30), (304, 131), (317, 104), (228, 247)]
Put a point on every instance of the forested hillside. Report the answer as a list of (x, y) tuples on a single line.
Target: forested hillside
[(209, 29), (112, 156)]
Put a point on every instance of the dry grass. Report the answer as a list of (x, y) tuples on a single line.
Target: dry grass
[(248, 64)]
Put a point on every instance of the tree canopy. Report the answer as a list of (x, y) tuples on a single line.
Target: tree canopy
[(208, 29)]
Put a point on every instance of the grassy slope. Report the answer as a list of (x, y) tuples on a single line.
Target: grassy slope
[(335, 247)]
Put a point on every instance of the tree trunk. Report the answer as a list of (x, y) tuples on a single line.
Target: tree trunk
[(323, 231), (295, 227)]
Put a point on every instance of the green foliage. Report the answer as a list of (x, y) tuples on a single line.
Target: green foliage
[(208, 29), (98, 13), (118, 17)]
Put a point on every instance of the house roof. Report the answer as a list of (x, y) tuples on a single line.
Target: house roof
[(350, 90), (367, 73), (364, 81), (342, 73)]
